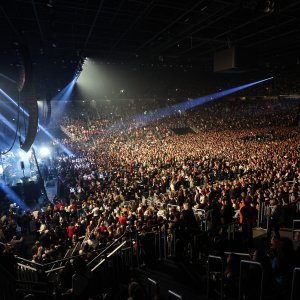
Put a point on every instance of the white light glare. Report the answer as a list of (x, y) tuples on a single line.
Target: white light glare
[(24, 155), (44, 151)]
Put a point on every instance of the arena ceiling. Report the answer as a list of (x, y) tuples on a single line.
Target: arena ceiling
[(163, 31)]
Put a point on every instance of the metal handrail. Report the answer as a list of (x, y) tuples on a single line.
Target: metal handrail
[(106, 249), (54, 269), (27, 267), (29, 261), (101, 251), (121, 237), (246, 255), (109, 255), (39, 266), (173, 294), (72, 257), (152, 282)]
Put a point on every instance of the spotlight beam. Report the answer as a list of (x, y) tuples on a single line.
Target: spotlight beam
[(39, 125), (9, 108), (8, 78), (66, 92), (12, 195), (11, 126), (168, 111), (3, 139)]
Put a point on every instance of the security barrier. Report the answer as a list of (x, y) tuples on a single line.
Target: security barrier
[(246, 290), (295, 292), (215, 276)]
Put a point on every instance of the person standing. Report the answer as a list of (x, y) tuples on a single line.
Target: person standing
[(274, 219), (247, 216)]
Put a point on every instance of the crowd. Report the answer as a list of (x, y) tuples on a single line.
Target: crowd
[(128, 175)]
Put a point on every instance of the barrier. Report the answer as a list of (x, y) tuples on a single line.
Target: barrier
[(245, 290), (215, 270), (199, 212), (200, 217), (102, 260), (76, 248), (262, 212), (177, 207), (246, 256), (296, 227), (232, 228), (295, 292), (26, 273)]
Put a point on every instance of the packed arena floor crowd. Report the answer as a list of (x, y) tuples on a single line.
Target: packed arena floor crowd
[(127, 175)]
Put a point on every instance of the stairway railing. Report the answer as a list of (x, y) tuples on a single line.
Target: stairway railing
[(132, 249)]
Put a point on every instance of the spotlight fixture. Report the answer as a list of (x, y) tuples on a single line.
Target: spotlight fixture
[(79, 66)]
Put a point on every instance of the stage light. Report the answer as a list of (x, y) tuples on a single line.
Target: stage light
[(44, 152), (79, 67)]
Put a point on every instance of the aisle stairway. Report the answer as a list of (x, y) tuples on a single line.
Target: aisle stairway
[(184, 279)]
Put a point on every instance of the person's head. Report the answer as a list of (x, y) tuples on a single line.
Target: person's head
[(285, 250), (136, 291), (297, 236), (186, 206), (261, 256)]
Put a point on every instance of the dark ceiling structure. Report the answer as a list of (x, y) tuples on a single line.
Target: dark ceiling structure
[(59, 32)]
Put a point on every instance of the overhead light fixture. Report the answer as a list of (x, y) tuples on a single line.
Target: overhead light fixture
[(79, 67)]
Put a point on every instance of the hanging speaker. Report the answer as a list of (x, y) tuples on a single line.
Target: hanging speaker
[(32, 124), (24, 67), (27, 93), (22, 165)]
